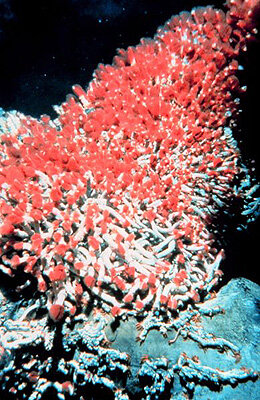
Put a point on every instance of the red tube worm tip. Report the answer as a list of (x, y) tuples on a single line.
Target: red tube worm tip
[(56, 312)]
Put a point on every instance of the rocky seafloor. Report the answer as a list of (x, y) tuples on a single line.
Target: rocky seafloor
[(95, 358)]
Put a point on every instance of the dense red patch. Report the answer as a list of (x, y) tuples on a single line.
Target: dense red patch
[(117, 193)]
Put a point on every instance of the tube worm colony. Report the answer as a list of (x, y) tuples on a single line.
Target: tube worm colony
[(109, 205)]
